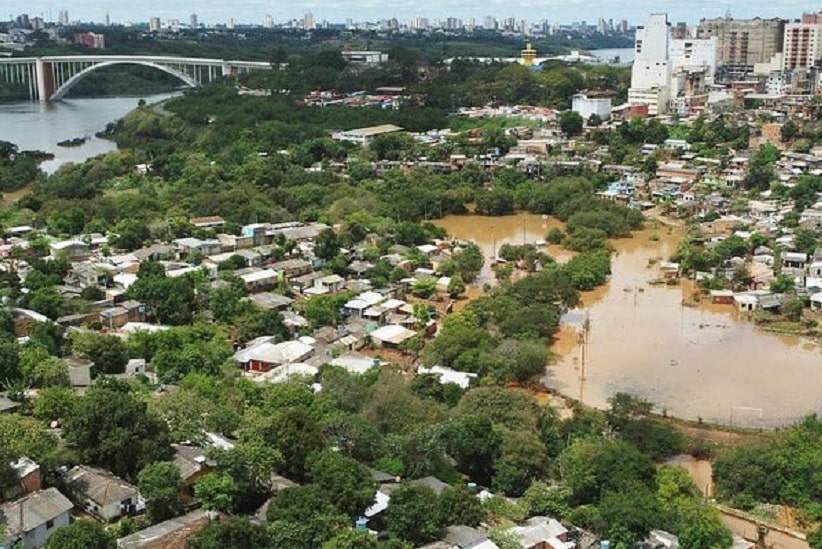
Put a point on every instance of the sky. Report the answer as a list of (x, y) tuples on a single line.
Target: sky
[(253, 11)]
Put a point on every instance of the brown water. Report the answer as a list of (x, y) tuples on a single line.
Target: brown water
[(489, 233), (694, 362)]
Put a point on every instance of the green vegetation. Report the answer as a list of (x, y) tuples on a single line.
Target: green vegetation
[(783, 470)]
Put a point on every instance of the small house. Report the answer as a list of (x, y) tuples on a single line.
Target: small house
[(391, 336), (794, 260), (722, 297), (263, 354), (29, 521), (29, 479), (101, 493), (171, 533)]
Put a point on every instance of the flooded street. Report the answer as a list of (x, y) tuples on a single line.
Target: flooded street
[(693, 362), (489, 233)]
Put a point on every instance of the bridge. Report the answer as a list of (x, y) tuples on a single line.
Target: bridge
[(50, 78)]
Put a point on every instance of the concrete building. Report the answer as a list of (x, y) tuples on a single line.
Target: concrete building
[(364, 136), (587, 103), (743, 43), (32, 519), (100, 493), (154, 24), (802, 45), (651, 72)]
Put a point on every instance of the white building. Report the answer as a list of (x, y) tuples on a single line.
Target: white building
[(651, 72), (667, 69), (586, 104), (34, 517), (694, 54)]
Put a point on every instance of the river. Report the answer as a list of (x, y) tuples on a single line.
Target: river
[(619, 56), (692, 362), (40, 126)]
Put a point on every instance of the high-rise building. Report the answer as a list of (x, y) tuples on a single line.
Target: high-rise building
[(192, 21), (670, 71), (490, 23), (802, 45), (62, 17), (230, 23), (651, 71), (743, 43), (108, 20), (308, 21), (154, 24)]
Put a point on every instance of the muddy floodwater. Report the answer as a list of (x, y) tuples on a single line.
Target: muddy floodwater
[(693, 362)]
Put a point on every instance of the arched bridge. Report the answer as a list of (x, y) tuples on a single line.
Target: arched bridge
[(50, 78)]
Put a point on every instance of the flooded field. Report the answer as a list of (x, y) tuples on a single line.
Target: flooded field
[(490, 233), (693, 362)]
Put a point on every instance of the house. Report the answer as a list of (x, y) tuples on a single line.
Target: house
[(466, 537), (794, 260), (29, 521), (193, 464), (72, 249), (113, 317), (448, 375), (816, 302), (101, 493), (190, 245), (258, 279), (722, 297), (355, 363), (29, 479), (541, 533), (79, 370), (207, 222), (391, 336), (171, 534), (268, 300), (262, 354)]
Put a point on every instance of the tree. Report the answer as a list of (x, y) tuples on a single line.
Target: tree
[(54, 403), (80, 534), (327, 244), (628, 515), (215, 492), (250, 463), (112, 429), (347, 484), (459, 506), (545, 500), (782, 283), (351, 538), (232, 532), (789, 130), (409, 515), (570, 123), (109, 353), (160, 484), (522, 461), (456, 287), (424, 288), (475, 444)]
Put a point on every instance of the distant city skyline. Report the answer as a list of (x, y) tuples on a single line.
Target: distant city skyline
[(255, 11)]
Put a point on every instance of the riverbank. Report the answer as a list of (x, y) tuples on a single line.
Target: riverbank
[(41, 125)]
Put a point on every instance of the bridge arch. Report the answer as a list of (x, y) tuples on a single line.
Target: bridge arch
[(60, 92)]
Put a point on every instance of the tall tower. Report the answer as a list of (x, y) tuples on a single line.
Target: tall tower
[(529, 54), (651, 72)]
